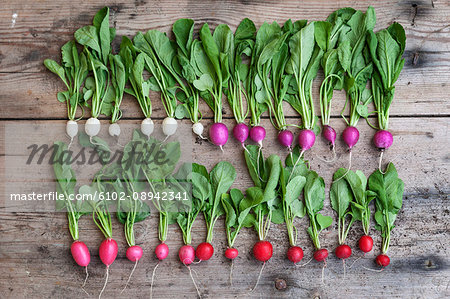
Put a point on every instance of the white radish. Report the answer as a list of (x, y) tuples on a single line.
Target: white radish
[(169, 126), (114, 129), (147, 127), (72, 128), (197, 128), (92, 127)]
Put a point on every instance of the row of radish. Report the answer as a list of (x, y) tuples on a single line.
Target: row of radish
[(280, 193), (256, 70)]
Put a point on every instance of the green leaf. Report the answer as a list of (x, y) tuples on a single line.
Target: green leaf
[(323, 221), (88, 36), (55, 68), (204, 83), (340, 193)]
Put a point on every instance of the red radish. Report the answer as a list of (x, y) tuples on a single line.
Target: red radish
[(383, 139), (134, 253), (343, 251), (162, 251), (285, 138), (108, 251), (383, 260), (257, 134), (350, 136), (329, 134), (204, 251), (365, 243), (231, 253), (240, 132), (218, 133), (262, 251), (321, 255), (80, 253), (306, 139), (186, 254), (295, 254)]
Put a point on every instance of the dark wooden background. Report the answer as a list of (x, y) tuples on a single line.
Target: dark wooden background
[(34, 248)]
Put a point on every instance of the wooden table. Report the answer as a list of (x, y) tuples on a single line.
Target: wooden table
[(34, 248)]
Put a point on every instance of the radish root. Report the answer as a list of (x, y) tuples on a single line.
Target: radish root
[(356, 261), (373, 270), (329, 161), (323, 271), (259, 277), (106, 281), (153, 277), (379, 162), (343, 264), (129, 277), (85, 280), (231, 272)]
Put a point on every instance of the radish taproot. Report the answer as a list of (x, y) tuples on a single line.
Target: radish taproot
[(388, 65), (97, 87), (387, 190), (73, 77), (221, 177), (65, 183)]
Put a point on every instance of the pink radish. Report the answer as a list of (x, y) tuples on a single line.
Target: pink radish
[(186, 254), (218, 133), (80, 253), (383, 139), (257, 134), (108, 253), (306, 139), (162, 251), (285, 138), (383, 260), (240, 132), (231, 253), (295, 254), (134, 253), (204, 251), (321, 255), (365, 243)]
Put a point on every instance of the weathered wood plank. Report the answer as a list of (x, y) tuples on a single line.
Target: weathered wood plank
[(34, 248), (419, 91)]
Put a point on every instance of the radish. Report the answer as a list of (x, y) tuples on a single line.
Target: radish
[(147, 127), (231, 253), (314, 195), (385, 75), (204, 251), (365, 243), (295, 254), (343, 252), (218, 133), (321, 255), (186, 254), (260, 199), (169, 126), (210, 80), (291, 189), (285, 138), (108, 251), (183, 30), (63, 174), (306, 139), (162, 251), (92, 127), (257, 134), (241, 132), (73, 76), (383, 260), (387, 189), (119, 76), (329, 134), (350, 136), (236, 208)]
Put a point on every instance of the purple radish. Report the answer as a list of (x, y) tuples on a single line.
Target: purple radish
[(218, 133), (285, 138), (329, 134), (257, 134), (350, 136), (306, 139), (240, 132), (383, 139)]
